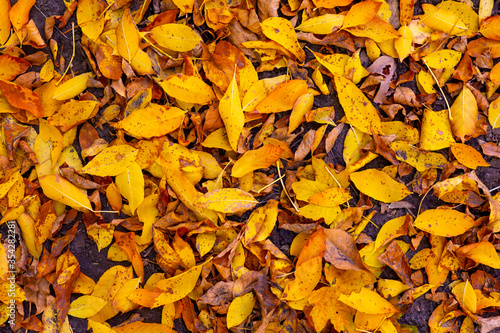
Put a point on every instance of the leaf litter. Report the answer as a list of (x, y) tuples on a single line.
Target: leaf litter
[(328, 166)]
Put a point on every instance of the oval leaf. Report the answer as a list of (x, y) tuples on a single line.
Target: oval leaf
[(239, 309), (227, 200), (175, 37), (444, 222), (112, 161), (86, 306), (58, 188), (379, 185)]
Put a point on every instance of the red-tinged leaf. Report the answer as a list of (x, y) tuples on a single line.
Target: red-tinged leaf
[(22, 98), (126, 241)]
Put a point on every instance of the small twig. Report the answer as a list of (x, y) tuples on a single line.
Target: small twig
[(274, 181)]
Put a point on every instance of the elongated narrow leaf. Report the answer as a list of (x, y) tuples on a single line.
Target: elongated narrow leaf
[(112, 161), (227, 200), (239, 309), (59, 189), (127, 37), (231, 113)]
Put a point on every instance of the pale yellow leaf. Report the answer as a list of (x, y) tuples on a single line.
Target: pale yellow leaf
[(227, 200), (112, 161), (232, 114)]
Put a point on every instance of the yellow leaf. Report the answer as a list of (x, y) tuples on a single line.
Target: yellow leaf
[(176, 287), (379, 185), (443, 59), (494, 113), (361, 13), (391, 288), (239, 309), (368, 301), (305, 188), (443, 20), (425, 83), (444, 222), (231, 113), (406, 8), (72, 87), (189, 89), (227, 200), (468, 323), (4, 24), (127, 37), (19, 13), (331, 3), (155, 120), (211, 168), (377, 29), (358, 109), (354, 142), (335, 63), (419, 159), (27, 225), (485, 8), (143, 327), (99, 327), (259, 90), (323, 24), (489, 27), (89, 19), (390, 230), (421, 259), (468, 156), (281, 31), (436, 130), (331, 197), (188, 194), (101, 234), (316, 212), (256, 159), (73, 113), (307, 277), (302, 106), (205, 242), (112, 161), (482, 253), (131, 185), (466, 296), (354, 70), (184, 251), (464, 11), (404, 43), (58, 188), (86, 306), (185, 5), (141, 63), (261, 223), (465, 114), (175, 37), (282, 98)]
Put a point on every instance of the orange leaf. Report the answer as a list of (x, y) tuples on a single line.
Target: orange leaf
[(256, 159), (22, 98)]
